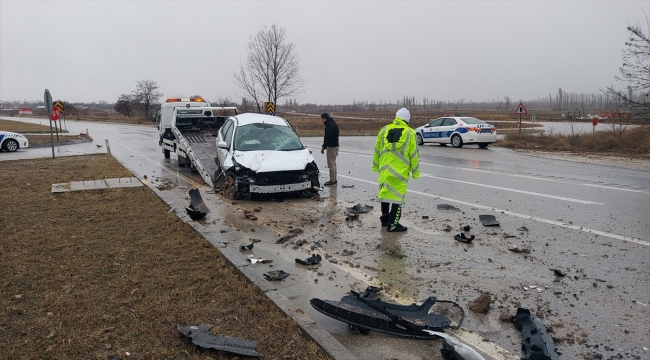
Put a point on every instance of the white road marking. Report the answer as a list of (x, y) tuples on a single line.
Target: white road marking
[(517, 191), (523, 216), (523, 176)]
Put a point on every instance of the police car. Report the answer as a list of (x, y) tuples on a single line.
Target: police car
[(10, 141), (457, 131)]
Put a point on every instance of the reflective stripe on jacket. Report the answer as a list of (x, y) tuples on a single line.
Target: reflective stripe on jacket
[(396, 158)]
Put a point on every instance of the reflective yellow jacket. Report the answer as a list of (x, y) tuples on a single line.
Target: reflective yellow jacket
[(396, 158)]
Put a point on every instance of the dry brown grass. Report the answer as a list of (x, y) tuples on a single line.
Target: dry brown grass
[(88, 275), (631, 143), (20, 127)]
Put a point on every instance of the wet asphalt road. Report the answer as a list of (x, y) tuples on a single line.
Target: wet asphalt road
[(591, 221)]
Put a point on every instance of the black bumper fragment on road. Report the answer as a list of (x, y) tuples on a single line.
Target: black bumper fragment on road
[(197, 210), (537, 344)]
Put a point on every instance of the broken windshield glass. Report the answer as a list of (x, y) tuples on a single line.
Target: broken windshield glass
[(260, 136)]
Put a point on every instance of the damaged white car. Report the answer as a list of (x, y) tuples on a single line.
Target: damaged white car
[(262, 154)]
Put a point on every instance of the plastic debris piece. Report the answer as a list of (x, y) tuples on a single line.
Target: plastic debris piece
[(488, 220), (517, 249), (201, 336), (453, 349), (313, 260), (558, 272), (467, 228), (246, 247), (539, 290), (425, 217), (537, 343), (276, 275), (197, 210), (360, 209), (315, 245), (261, 261), (352, 217), (347, 186), (526, 288), (462, 238), (532, 286), (447, 207), (523, 228)]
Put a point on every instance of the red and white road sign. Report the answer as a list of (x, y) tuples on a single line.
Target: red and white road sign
[(55, 113), (521, 109)]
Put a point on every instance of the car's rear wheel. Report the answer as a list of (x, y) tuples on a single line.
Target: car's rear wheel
[(167, 153), (483, 145), (418, 139), (11, 145), (230, 190), (456, 141)]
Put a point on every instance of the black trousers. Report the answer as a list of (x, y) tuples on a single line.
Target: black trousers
[(395, 212)]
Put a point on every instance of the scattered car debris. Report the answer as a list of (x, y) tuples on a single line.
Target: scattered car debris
[(246, 247), (467, 228), (276, 275), (359, 310), (481, 304), (508, 236), (447, 207), (523, 228), (299, 243), (313, 260), (558, 272), (201, 337), (425, 217), (352, 217), (453, 349), (197, 210), (290, 235), (256, 240), (462, 238), (261, 261), (488, 220), (360, 209), (315, 245), (347, 186), (250, 215), (517, 249), (537, 343)]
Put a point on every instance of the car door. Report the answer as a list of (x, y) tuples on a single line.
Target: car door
[(225, 135), (446, 129), (431, 132)]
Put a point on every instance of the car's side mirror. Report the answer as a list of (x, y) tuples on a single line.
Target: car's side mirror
[(222, 145)]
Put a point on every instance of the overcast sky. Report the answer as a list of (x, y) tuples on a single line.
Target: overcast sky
[(85, 51)]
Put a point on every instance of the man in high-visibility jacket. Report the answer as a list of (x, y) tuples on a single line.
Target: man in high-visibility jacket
[(396, 159)]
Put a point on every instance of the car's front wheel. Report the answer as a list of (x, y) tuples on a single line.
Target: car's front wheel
[(230, 190), (456, 141), (418, 139), (167, 153), (11, 145), (483, 145)]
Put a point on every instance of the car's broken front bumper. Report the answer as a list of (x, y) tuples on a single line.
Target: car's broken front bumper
[(269, 189)]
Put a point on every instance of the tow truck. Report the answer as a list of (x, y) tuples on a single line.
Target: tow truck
[(188, 127)]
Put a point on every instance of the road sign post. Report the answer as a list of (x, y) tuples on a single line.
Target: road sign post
[(521, 109), (48, 105), (55, 115)]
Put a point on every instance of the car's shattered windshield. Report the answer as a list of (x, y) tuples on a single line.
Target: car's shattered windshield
[(261, 136)]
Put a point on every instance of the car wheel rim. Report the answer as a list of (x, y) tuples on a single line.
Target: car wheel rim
[(11, 146), (455, 140), (419, 138)]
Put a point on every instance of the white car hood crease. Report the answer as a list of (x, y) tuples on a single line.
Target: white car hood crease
[(268, 160)]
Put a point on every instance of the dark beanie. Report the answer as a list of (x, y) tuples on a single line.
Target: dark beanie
[(325, 116)]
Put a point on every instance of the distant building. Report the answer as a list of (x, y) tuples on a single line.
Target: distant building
[(102, 102)]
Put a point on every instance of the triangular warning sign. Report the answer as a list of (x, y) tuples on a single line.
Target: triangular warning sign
[(521, 109)]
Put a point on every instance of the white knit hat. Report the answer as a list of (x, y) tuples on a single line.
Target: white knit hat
[(403, 114)]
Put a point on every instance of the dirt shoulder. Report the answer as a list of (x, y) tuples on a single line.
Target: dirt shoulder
[(103, 273)]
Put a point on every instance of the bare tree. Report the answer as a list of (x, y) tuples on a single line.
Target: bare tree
[(125, 104), (636, 72), (271, 71), (507, 100), (146, 94)]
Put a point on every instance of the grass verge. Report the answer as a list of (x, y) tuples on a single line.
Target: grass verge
[(95, 274)]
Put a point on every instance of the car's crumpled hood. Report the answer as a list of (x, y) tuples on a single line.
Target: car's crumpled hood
[(269, 160)]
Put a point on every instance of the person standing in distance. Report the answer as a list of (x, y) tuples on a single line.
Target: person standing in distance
[(331, 144), (396, 159)]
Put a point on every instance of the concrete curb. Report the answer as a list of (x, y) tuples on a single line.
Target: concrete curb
[(307, 326), (69, 142)]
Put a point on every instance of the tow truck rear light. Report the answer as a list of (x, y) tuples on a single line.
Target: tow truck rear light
[(190, 99)]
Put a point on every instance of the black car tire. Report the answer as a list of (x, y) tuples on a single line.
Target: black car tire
[(418, 139), (11, 145), (230, 190), (456, 141), (167, 153), (483, 145)]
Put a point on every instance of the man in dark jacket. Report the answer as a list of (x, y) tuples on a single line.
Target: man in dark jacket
[(331, 144)]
